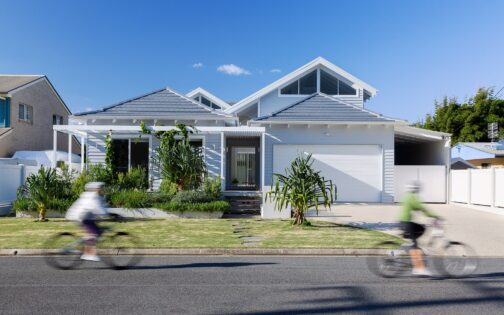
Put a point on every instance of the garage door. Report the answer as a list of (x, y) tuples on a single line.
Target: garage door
[(356, 170)]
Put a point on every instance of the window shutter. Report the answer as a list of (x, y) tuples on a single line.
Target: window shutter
[(21, 114)]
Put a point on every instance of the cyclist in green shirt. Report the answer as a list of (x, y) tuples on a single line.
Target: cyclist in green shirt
[(413, 230)]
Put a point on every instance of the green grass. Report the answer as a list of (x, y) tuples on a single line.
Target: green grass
[(203, 233)]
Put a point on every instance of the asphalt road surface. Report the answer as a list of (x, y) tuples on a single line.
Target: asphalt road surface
[(241, 285)]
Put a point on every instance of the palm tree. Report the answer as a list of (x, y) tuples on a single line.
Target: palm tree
[(42, 188), (301, 188)]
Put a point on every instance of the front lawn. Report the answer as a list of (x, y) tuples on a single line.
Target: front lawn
[(203, 233)]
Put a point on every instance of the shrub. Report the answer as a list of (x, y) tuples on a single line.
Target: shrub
[(135, 178), (212, 187), (41, 188), (130, 199), (94, 173), (159, 197), (27, 205), (24, 205), (168, 187), (191, 196), (214, 206)]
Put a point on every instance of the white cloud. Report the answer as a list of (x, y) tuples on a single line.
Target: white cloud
[(198, 65), (88, 109), (275, 70), (232, 69)]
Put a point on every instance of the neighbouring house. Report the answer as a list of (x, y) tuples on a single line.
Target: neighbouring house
[(460, 164), (481, 154), (29, 107), (318, 108)]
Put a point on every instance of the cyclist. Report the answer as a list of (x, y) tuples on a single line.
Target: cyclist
[(84, 211), (413, 230)]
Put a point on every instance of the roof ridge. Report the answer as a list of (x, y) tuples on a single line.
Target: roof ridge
[(117, 104)]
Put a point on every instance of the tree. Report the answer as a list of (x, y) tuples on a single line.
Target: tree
[(301, 188), (179, 161), (467, 122), (42, 188)]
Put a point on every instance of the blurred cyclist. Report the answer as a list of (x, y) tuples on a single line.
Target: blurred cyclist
[(84, 211), (413, 230)]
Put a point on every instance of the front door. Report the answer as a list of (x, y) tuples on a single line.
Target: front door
[(242, 164), (243, 167)]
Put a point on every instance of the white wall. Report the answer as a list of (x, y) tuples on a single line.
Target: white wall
[(432, 178), (366, 135), (480, 187)]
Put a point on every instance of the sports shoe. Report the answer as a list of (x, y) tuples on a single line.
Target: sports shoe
[(90, 257), (423, 272)]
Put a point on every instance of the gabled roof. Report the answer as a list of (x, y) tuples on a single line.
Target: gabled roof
[(10, 82), (461, 161), (214, 99), (317, 62), (496, 148), (320, 107), (160, 104)]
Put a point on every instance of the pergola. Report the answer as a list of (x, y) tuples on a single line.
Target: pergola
[(82, 131)]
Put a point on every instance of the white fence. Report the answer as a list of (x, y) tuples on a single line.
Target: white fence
[(483, 187), (13, 175), (432, 178)]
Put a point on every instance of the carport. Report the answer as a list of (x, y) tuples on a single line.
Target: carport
[(425, 156)]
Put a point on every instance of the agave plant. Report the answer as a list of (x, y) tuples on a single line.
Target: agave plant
[(301, 187), (43, 187)]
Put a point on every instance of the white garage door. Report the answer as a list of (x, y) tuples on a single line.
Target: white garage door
[(356, 170)]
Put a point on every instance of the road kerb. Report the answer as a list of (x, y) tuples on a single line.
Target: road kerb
[(220, 252)]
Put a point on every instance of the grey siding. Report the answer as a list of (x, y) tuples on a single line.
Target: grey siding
[(379, 135), (96, 148), (213, 154)]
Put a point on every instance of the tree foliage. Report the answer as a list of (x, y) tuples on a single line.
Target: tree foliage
[(301, 187), (179, 162), (468, 121)]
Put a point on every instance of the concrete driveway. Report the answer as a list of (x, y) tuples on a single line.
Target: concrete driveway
[(481, 230)]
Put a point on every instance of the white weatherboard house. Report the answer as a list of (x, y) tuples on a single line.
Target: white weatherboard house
[(318, 108)]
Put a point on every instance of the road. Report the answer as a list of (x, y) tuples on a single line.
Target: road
[(241, 285)]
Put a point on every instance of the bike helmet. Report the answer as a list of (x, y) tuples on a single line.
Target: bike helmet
[(414, 187)]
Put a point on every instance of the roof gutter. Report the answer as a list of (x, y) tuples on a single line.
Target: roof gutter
[(286, 122)]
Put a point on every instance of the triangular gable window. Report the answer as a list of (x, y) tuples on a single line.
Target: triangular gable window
[(332, 86), (304, 86), (205, 101)]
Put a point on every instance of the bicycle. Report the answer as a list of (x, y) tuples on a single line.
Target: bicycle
[(116, 248), (451, 259)]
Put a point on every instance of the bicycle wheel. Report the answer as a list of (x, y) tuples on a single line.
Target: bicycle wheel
[(67, 256), (117, 250), (394, 264), (458, 260)]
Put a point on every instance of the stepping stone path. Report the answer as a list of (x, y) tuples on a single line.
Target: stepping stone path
[(246, 238)]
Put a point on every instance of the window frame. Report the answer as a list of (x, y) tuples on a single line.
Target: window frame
[(26, 109), (59, 120), (318, 85)]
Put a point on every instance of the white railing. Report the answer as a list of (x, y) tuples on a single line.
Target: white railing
[(480, 187)]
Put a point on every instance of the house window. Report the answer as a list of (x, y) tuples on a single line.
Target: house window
[(332, 86), (305, 86), (205, 101), (57, 120), (25, 113), (486, 165), (308, 85)]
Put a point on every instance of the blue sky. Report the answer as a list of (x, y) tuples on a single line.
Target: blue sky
[(100, 52)]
